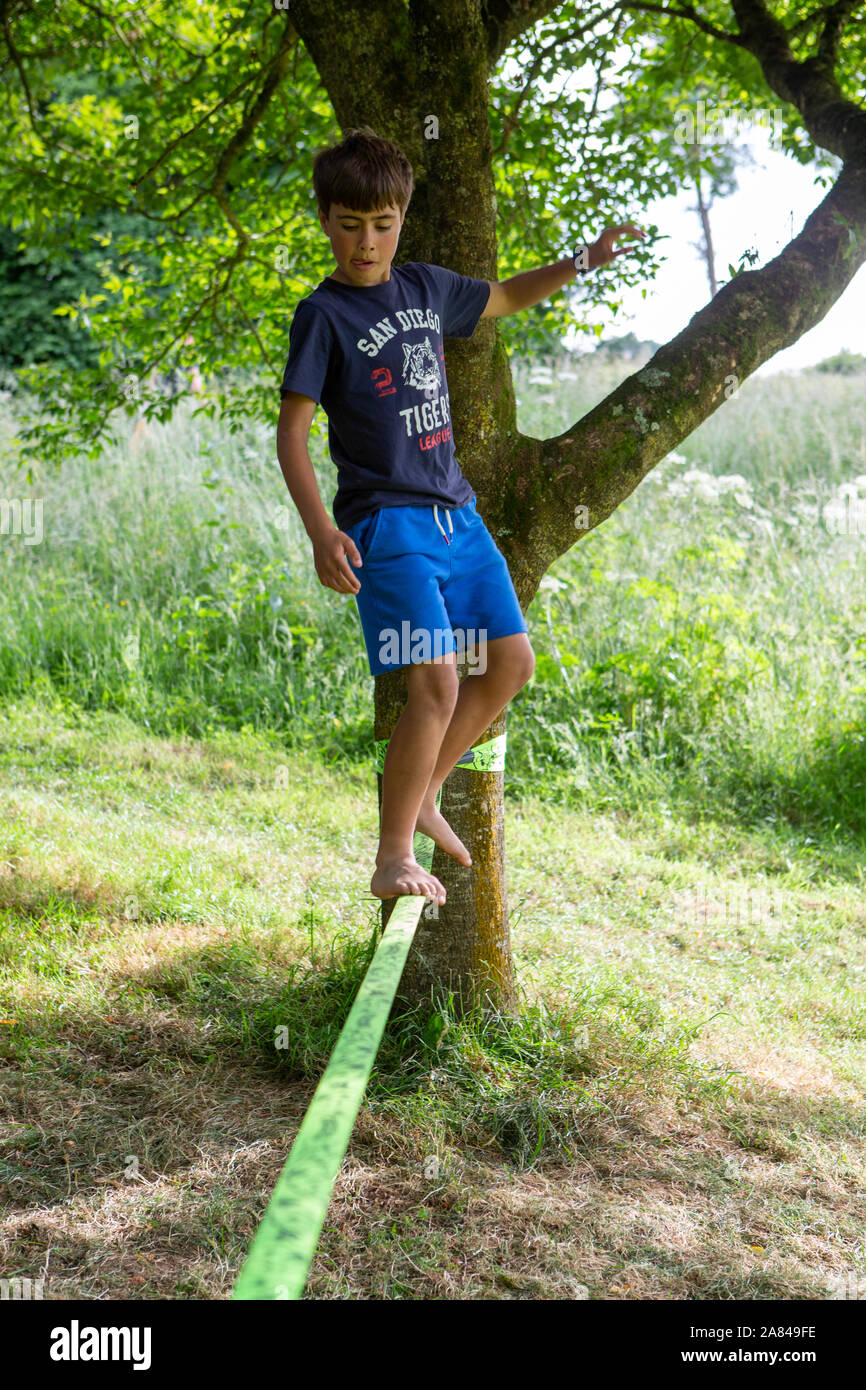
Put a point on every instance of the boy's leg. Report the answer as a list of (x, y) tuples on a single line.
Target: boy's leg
[(482, 604), (407, 563), (409, 763), (480, 698)]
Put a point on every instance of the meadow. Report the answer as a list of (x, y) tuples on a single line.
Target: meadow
[(188, 830)]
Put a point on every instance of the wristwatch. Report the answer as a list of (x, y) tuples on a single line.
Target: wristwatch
[(580, 257)]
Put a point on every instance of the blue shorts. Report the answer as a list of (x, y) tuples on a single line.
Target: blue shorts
[(433, 581)]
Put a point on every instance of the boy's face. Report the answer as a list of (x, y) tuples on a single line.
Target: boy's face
[(363, 243)]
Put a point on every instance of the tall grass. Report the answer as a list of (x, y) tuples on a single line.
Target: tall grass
[(705, 647)]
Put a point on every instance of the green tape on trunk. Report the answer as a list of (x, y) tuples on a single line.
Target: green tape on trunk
[(484, 757), (279, 1258)]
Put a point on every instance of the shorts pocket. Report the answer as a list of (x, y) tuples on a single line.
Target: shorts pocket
[(365, 537), (373, 537)]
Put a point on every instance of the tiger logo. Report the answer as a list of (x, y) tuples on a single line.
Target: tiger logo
[(420, 368)]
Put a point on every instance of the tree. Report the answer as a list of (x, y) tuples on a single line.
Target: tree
[(494, 155), (710, 153)]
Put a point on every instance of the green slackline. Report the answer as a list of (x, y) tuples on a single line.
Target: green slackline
[(282, 1251), (484, 757), (280, 1256)]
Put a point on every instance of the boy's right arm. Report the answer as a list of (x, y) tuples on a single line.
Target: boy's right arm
[(329, 544)]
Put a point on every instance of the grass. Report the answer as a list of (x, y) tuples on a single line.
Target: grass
[(692, 1025), (189, 827), (677, 646)]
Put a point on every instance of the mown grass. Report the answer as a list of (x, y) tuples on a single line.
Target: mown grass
[(676, 1113), (188, 830)]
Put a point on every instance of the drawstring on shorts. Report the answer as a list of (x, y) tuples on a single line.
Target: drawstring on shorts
[(439, 523)]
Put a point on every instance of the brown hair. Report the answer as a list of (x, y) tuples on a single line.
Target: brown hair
[(364, 172)]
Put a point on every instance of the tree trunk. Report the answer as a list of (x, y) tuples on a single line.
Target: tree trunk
[(708, 252)]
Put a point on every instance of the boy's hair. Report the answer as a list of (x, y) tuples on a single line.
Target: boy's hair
[(364, 172)]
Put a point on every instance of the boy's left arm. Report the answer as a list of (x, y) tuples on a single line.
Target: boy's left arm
[(521, 291)]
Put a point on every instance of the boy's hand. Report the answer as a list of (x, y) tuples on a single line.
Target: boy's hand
[(601, 251), (329, 557)]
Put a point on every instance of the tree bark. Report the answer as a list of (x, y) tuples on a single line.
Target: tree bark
[(392, 67)]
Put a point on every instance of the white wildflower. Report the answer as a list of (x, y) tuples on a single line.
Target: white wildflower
[(739, 486), (704, 484)]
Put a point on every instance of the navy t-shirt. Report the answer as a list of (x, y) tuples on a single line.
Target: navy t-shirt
[(373, 356)]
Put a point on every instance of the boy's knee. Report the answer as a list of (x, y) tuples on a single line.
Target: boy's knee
[(526, 665), (434, 683), (515, 662)]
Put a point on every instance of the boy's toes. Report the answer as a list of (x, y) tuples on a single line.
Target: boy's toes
[(430, 887), (399, 879), (434, 889)]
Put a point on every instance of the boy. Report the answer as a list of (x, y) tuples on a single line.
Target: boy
[(368, 345)]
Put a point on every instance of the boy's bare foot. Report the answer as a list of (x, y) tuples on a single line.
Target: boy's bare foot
[(431, 822), (396, 877)]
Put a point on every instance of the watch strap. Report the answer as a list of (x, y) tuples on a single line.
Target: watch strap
[(580, 258)]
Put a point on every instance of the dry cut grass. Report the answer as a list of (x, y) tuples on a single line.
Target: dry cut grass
[(678, 1113)]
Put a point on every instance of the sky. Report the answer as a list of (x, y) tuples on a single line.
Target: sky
[(774, 197)]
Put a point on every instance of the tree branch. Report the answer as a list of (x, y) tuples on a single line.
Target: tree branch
[(172, 145), (16, 59), (506, 20), (686, 12), (546, 51), (276, 71), (601, 459), (828, 43), (832, 121)]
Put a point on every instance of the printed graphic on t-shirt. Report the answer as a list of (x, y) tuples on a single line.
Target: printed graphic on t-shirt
[(420, 367), (427, 422), (375, 360)]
